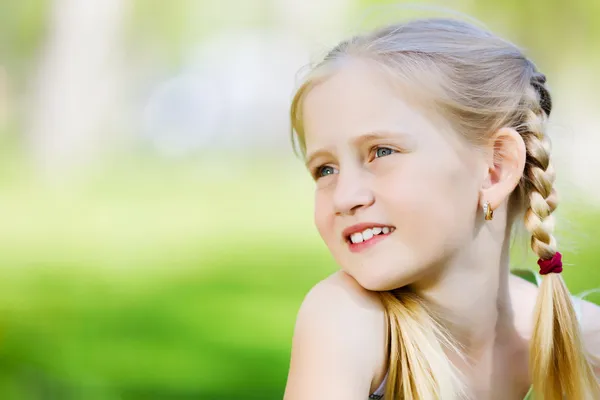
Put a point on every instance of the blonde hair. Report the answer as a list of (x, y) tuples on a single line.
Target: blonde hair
[(480, 83)]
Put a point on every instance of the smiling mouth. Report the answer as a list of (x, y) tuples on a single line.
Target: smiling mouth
[(369, 233)]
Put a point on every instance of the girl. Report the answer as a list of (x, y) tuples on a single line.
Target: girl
[(427, 140)]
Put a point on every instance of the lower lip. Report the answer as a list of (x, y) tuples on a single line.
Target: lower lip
[(358, 247)]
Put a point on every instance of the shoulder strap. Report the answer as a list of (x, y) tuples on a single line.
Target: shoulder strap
[(578, 300)]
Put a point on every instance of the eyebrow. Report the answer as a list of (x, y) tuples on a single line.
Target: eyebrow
[(369, 136)]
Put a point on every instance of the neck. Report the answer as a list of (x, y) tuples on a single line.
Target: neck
[(472, 294)]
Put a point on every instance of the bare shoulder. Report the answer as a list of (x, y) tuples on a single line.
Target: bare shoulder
[(338, 341), (590, 317), (342, 284), (590, 326), (524, 295)]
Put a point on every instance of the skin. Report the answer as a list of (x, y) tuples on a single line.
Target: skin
[(428, 182)]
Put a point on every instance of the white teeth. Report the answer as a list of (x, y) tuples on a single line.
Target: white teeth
[(359, 237), (356, 237)]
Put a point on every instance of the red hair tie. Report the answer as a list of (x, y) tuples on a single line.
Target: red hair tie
[(552, 265)]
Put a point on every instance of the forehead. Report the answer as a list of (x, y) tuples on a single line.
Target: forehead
[(359, 98)]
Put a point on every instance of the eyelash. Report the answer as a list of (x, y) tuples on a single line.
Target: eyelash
[(317, 171)]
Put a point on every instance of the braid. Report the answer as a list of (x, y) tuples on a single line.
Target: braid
[(540, 176), (558, 364)]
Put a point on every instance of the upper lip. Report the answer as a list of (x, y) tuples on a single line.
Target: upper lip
[(360, 227)]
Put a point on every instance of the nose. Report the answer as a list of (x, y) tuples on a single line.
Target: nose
[(352, 192)]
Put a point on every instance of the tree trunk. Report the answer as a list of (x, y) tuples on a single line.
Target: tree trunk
[(75, 93)]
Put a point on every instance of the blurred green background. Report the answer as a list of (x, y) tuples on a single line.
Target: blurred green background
[(156, 230)]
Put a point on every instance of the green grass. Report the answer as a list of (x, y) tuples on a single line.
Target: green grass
[(184, 334)]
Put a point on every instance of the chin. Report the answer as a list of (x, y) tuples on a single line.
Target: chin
[(376, 281), (381, 275)]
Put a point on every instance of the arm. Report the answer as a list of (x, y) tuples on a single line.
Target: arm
[(338, 342)]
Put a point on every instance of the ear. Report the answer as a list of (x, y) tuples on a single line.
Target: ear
[(505, 166)]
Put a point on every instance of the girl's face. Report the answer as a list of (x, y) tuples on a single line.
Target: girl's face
[(382, 160)]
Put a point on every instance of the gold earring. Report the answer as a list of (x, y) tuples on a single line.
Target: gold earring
[(488, 212)]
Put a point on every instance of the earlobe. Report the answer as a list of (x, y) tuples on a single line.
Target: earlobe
[(505, 168)]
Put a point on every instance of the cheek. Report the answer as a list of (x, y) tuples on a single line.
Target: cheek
[(430, 204), (323, 215)]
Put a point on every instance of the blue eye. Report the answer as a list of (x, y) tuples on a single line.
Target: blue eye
[(383, 151), (324, 171)]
